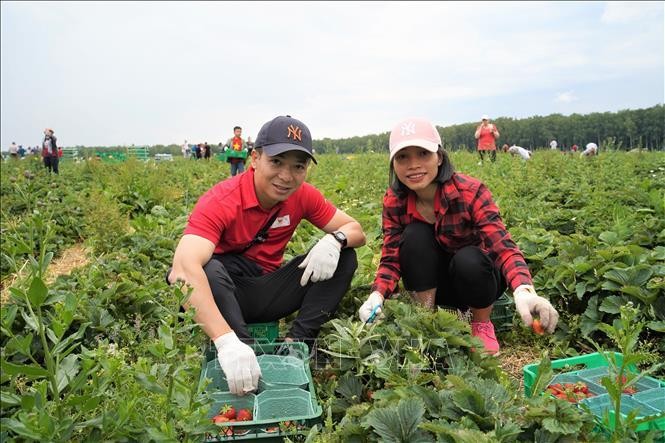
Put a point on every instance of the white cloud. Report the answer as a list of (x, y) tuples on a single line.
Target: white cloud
[(629, 12), (566, 97)]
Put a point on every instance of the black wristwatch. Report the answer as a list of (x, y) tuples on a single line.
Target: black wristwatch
[(340, 237)]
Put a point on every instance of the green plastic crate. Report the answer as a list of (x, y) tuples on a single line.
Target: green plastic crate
[(653, 397), (502, 313), (236, 154), (596, 375), (649, 399), (220, 399), (602, 405), (225, 155), (267, 332), (280, 372), (573, 364), (272, 404)]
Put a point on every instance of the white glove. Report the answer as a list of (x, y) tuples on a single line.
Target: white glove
[(375, 299), (238, 363), (226, 148), (527, 303), (321, 262)]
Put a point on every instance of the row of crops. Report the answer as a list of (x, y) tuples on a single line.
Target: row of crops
[(103, 353)]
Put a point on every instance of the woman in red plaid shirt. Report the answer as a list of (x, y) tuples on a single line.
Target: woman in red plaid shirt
[(443, 236)]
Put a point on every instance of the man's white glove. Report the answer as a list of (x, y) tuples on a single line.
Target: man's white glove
[(321, 262), (239, 364), (528, 303), (375, 299)]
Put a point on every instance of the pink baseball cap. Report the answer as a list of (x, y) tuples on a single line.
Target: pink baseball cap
[(414, 132)]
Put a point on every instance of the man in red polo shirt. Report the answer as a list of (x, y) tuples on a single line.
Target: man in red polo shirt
[(232, 249)]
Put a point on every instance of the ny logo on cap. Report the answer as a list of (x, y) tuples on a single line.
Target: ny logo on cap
[(408, 128), (295, 132)]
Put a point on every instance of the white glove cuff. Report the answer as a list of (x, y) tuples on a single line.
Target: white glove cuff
[(328, 238), (524, 288), (225, 339), (376, 298)]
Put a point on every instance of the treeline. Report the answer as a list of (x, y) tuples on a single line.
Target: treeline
[(623, 130)]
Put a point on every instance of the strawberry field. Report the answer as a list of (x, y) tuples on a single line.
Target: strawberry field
[(100, 352)]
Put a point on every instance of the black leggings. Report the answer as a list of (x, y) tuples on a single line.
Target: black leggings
[(244, 295), (467, 278), (51, 163), (491, 153)]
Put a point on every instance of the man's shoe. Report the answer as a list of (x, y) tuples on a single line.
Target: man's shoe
[(484, 330)]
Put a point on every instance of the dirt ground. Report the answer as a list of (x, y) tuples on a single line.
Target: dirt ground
[(513, 358), (70, 259)]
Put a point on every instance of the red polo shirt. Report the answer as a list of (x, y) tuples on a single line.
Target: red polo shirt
[(229, 215)]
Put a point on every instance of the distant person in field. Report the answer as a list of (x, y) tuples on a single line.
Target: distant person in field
[(236, 144), (207, 151), (185, 150), (250, 146), (591, 150), (573, 148), (553, 145), (13, 151), (50, 151), (444, 238), (525, 154), (486, 134), (231, 254)]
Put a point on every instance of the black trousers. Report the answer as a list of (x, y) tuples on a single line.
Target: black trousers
[(492, 154), (465, 279), (244, 295), (51, 163)]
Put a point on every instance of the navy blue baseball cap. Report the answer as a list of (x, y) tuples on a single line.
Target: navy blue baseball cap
[(284, 133)]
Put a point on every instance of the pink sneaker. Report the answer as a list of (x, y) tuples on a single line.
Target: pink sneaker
[(484, 330)]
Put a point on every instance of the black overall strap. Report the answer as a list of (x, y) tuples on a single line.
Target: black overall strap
[(262, 235)]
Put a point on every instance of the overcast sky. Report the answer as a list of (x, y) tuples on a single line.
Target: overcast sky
[(151, 73)]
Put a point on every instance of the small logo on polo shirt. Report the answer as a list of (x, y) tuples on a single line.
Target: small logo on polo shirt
[(281, 222)]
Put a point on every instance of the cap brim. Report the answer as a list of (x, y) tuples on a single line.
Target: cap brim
[(421, 143), (279, 148)]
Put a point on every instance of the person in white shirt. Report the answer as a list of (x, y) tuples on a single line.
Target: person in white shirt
[(13, 150), (185, 150), (518, 150), (553, 144), (591, 149)]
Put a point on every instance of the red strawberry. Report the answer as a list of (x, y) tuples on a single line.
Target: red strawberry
[(229, 412), (537, 327), (219, 419), (244, 415)]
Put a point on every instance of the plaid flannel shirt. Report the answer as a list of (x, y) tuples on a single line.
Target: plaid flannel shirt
[(466, 215)]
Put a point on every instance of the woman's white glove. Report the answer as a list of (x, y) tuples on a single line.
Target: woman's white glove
[(321, 262), (528, 303), (365, 312), (239, 364)]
